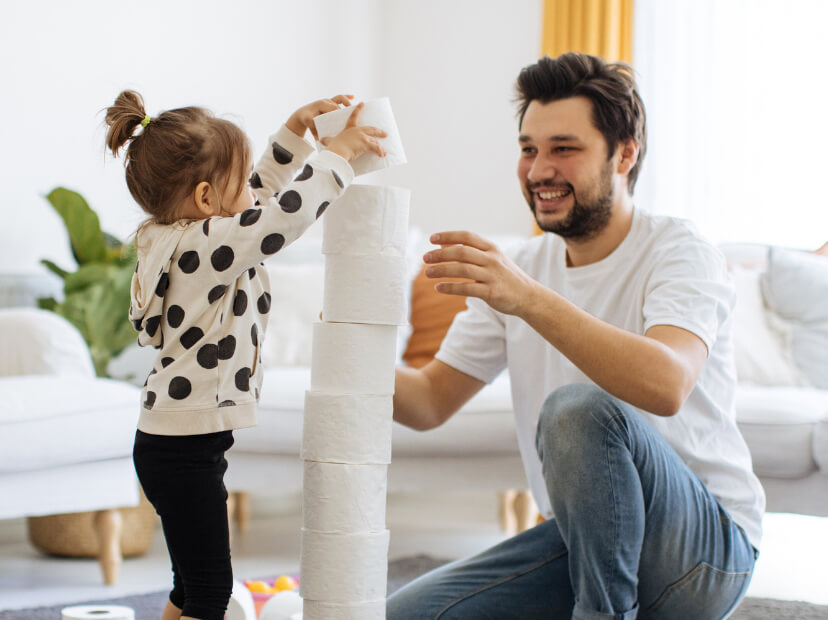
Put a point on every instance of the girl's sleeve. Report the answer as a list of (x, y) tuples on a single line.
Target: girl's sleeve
[(284, 157), (283, 213)]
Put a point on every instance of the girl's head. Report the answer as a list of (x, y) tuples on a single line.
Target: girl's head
[(184, 163)]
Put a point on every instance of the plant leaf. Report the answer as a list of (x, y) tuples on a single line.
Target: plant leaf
[(82, 224), (54, 268)]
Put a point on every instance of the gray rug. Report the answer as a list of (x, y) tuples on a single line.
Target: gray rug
[(400, 572)]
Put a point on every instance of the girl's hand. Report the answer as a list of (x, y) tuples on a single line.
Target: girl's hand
[(302, 119), (355, 140)]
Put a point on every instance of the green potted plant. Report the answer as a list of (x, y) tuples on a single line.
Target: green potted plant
[(96, 294), (96, 301)]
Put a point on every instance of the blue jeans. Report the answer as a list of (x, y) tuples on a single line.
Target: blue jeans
[(636, 533)]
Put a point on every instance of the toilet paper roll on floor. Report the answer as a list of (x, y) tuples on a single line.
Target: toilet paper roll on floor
[(101, 612), (343, 568), (321, 610), (344, 498), (376, 113), (368, 219), (347, 428), (365, 289), (353, 358)]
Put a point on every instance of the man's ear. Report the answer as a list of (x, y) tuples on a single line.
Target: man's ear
[(204, 199), (629, 155)]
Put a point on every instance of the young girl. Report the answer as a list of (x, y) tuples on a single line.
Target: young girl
[(200, 295)]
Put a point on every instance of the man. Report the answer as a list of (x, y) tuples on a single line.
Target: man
[(615, 327)]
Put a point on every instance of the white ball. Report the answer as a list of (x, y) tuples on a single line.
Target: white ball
[(282, 606)]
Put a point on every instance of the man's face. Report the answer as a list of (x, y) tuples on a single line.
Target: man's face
[(564, 171)]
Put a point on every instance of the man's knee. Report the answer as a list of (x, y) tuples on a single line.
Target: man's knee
[(569, 414)]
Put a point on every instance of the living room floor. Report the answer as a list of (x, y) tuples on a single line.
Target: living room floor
[(792, 564)]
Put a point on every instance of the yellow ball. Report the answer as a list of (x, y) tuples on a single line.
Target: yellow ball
[(284, 583)]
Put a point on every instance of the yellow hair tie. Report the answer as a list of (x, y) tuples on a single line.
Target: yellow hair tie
[(146, 121)]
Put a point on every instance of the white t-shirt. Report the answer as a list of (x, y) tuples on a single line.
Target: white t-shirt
[(663, 273)]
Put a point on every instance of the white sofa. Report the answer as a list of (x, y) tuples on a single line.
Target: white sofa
[(783, 419), (65, 435)]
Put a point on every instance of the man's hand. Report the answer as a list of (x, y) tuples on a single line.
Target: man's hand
[(302, 119), (494, 277)]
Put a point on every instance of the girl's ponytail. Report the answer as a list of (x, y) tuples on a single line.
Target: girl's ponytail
[(123, 117)]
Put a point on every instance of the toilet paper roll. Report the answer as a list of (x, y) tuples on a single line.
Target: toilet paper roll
[(103, 612), (353, 359), (368, 219), (344, 498), (241, 605), (376, 113), (347, 428), (343, 568), (321, 610), (364, 289)]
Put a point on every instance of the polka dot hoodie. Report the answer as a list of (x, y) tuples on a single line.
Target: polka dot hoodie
[(201, 295)]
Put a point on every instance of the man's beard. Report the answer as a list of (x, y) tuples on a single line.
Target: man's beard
[(587, 217)]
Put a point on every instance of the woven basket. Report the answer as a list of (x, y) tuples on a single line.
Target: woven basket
[(73, 535)]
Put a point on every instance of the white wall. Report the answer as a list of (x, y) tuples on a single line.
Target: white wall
[(448, 67)]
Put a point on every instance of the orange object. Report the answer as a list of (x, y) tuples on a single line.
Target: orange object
[(284, 583)]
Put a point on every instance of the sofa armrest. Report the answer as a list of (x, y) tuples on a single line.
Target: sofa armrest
[(41, 342)]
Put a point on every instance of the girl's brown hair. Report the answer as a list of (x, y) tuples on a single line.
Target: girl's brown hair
[(174, 152)]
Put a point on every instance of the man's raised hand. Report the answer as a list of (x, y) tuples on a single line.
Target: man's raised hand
[(493, 276)]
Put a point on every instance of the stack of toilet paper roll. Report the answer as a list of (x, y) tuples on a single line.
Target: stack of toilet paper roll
[(346, 442)]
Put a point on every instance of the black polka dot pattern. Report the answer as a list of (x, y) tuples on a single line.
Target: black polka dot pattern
[(337, 179), (281, 154), (243, 380), (256, 181), (152, 325), (166, 361), (321, 209), (240, 303), (254, 335), (163, 284), (137, 325), (189, 261), (290, 201), (307, 172), (222, 258), (251, 272), (190, 337), (257, 203), (272, 243), (207, 356), (226, 347), (175, 315), (205, 227), (250, 217), (150, 400), (263, 303), (227, 403), (180, 388), (216, 292)]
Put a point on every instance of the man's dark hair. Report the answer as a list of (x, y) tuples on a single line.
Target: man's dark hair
[(617, 108)]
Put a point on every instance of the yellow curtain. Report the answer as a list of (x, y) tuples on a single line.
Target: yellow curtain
[(598, 27)]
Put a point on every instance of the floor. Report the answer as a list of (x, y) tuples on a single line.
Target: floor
[(792, 565)]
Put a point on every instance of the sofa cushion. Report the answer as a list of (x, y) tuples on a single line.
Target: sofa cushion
[(761, 339), (484, 425), (49, 421), (431, 316), (41, 342), (783, 427), (795, 286)]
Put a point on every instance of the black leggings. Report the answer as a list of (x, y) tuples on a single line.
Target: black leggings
[(183, 478)]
